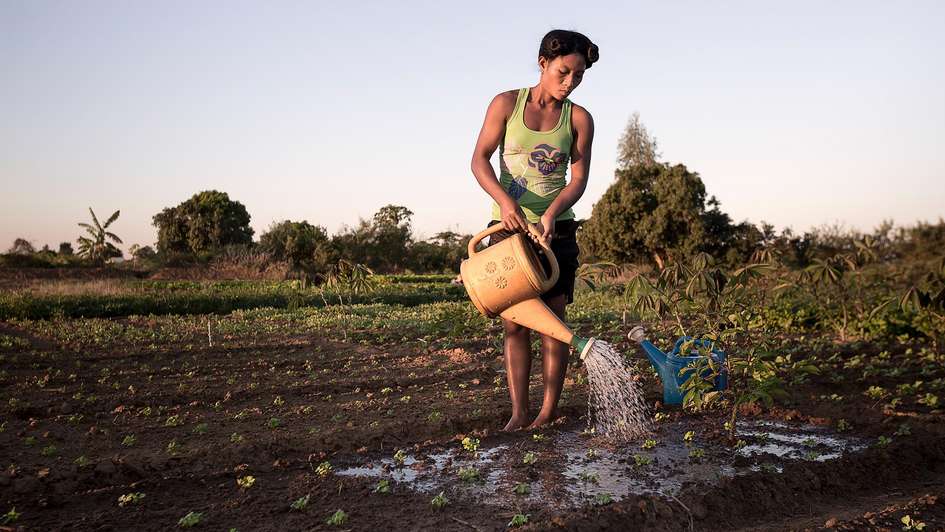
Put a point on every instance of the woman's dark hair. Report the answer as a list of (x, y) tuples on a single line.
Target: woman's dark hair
[(563, 42)]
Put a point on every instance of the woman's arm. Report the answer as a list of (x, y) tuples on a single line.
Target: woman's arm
[(493, 129), (583, 127)]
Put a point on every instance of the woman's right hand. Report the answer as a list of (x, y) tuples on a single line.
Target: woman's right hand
[(513, 219)]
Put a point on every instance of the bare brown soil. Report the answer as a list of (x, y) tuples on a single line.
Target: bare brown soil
[(276, 408)]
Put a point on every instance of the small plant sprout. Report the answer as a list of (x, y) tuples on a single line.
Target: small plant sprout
[(538, 437), (300, 504), (173, 447), (471, 444), (174, 421), (49, 450), (697, 453), (843, 425), (246, 482), (323, 469), (383, 486), (518, 520), (190, 520), (810, 456), (439, 501), (740, 444), (908, 523), (642, 460), (11, 516), (337, 519), (129, 499), (883, 441), (591, 453), (521, 489), (809, 442), (400, 457), (200, 428), (273, 423), (129, 440), (82, 461), (903, 430), (529, 458), (602, 499), (236, 438), (468, 474), (768, 467), (660, 416), (688, 436), (278, 401), (648, 444), (592, 478)]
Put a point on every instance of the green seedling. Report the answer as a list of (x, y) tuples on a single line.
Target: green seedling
[(383, 486), (697, 453), (405, 399), (190, 520), (49, 450), (278, 401), (82, 461), (273, 423), (844, 425), (174, 421), (468, 474), (908, 523), (521, 489), (602, 499), (809, 442), (200, 428), (903, 430), (435, 416), (400, 457), (323, 469), (246, 482), (648, 444), (768, 467), (173, 447), (129, 499), (518, 520), (538, 437), (386, 390), (688, 436), (660, 416), (642, 460), (810, 456), (439, 501), (337, 519), (300, 504), (11, 516), (236, 438), (740, 444), (591, 453), (593, 478), (529, 458), (30, 441), (883, 441), (471, 444)]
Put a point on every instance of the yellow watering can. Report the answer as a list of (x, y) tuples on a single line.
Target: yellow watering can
[(507, 279)]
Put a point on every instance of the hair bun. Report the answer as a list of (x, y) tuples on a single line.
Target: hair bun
[(593, 54), (554, 45)]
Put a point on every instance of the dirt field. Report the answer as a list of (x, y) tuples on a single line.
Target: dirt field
[(183, 423)]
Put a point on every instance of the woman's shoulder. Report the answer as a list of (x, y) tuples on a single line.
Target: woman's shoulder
[(579, 112), (506, 99)]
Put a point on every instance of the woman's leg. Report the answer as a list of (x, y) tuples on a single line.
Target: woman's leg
[(518, 366), (554, 364)]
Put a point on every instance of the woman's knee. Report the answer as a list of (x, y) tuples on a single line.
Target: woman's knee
[(513, 329)]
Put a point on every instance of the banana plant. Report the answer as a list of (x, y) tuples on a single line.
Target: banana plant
[(96, 247)]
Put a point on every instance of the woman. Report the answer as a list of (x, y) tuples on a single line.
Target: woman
[(538, 130)]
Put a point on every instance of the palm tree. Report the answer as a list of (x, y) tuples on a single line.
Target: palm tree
[(97, 249)]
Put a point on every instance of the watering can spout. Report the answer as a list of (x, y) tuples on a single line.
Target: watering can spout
[(656, 357)]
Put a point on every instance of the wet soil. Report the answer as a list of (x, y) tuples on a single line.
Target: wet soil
[(182, 424)]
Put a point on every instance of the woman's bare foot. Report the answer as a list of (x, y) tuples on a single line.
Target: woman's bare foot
[(516, 423), (541, 420)]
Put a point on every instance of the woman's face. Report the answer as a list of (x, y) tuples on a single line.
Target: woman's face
[(562, 75)]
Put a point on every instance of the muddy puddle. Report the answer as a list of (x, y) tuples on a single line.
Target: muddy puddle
[(571, 468)]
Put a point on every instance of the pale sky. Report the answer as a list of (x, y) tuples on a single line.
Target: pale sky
[(798, 113)]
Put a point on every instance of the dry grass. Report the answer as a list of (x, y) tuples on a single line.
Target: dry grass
[(49, 287)]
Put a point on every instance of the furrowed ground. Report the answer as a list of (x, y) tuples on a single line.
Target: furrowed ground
[(237, 405)]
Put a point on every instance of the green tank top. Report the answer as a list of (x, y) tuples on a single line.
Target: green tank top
[(533, 164)]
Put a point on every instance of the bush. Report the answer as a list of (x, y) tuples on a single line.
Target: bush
[(205, 223)]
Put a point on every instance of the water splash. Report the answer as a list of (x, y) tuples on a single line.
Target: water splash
[(615, 406)]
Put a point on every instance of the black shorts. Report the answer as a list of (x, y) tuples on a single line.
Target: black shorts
[(564, 246)]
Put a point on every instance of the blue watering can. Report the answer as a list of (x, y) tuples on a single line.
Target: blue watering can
[(668, 366)]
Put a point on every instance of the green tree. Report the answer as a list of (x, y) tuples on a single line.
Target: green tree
[(383, 243), (651, 212), (96, 247), (300, 243), (21, 246), (206, 222), (65, 249), (636, 147)]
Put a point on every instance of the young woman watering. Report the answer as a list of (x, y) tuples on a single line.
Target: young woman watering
[(539, 131)]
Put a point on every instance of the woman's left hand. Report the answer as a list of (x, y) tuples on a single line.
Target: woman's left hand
[(547, 227)]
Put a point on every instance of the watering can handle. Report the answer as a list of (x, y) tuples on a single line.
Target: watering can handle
[(552, 277)]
